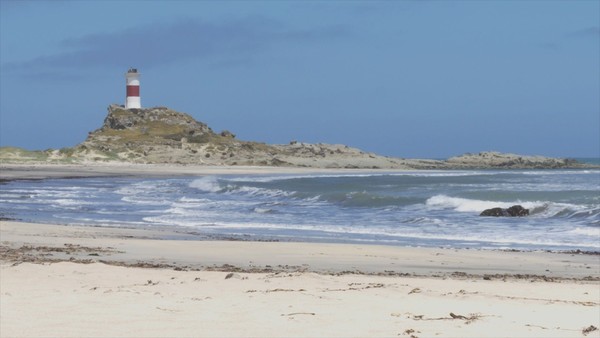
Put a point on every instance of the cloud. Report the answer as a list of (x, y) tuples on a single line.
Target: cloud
[(590, 32), (157, 44)]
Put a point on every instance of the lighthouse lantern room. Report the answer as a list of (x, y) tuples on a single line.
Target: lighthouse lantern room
[(133, 89)]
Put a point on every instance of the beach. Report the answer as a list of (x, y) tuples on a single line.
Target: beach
[(110, 281), (88, 281), (36, 171)]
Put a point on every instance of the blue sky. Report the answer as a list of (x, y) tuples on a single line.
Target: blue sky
[(407, 78)]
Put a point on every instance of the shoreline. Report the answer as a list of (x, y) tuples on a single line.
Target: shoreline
[(38, 171), (179, 233), (10, 172), (70, 281), (14, 172), (48, 243)]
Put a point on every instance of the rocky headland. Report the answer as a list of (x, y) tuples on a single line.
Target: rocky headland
[(161, 135)]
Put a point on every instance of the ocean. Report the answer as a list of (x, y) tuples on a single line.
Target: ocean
[(412, 208)]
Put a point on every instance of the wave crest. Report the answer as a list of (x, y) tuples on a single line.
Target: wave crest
[(537, 208), (206, 184), (464, 204)]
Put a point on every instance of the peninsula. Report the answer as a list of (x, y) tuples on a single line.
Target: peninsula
[(160, 135)]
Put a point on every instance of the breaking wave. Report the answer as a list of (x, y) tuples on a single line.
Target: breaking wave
[(471, 205), (537, 208), (429, 208), (206, 184)]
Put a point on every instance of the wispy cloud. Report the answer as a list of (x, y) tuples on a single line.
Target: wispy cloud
[(589, 32), (586, 34), (171, 42)]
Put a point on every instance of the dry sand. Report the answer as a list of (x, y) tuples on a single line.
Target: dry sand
[(67, 281)]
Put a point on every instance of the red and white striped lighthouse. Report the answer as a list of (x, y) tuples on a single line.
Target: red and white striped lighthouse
[(133, 89)]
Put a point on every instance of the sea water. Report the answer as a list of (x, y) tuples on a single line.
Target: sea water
[(412, 208)]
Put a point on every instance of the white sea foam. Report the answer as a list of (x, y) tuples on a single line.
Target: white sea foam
[(144, 200), (255, 191), (99, 221), (427, 173), (462, 204), (494, 239), (267, 179), (138, 187), (552, 209), (471, 205), (562, 172), (424, 220), (389, 208), (54, 193), (69, 202), (445, 173), (263, 210), (193, 200), (593, 232), (206, 184), (14, 195)]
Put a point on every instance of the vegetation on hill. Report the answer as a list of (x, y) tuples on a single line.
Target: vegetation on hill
[(162, 135)]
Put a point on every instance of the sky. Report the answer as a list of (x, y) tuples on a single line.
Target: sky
[(415, 79)]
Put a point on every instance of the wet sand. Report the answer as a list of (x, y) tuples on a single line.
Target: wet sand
[(41, 171)]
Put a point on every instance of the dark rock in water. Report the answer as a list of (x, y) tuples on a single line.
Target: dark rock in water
[(514, 211), (518, 211), (496, 212)]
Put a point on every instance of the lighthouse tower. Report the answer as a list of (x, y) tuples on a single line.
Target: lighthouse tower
[(133, 89)]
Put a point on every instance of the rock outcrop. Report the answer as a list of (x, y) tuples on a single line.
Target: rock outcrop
[(162, 135), (493, 159), (514, 211)]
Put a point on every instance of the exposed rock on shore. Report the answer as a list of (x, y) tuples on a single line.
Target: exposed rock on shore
[(162, 135), (498, 160)]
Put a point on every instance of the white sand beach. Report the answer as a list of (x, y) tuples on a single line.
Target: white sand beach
[(73, 281)]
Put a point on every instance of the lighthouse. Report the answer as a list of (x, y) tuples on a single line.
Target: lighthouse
[(133, 89)]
